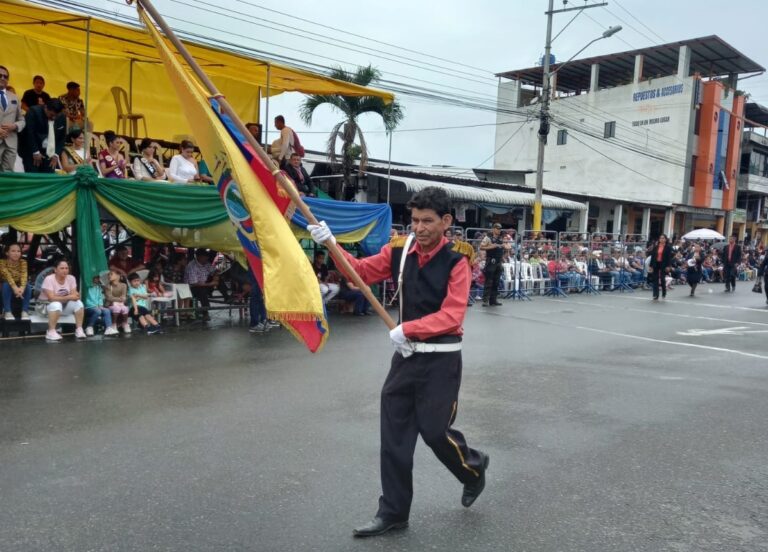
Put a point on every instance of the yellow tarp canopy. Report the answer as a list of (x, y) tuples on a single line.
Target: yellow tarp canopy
[(52, 43)]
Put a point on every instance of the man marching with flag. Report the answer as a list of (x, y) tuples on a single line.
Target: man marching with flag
[(420, 394)]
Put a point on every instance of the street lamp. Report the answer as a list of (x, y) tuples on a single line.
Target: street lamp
[(544, 114)]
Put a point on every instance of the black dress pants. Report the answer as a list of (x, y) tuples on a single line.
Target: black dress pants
[(492, 278), (658, 279), (420, 397), (729, 274)]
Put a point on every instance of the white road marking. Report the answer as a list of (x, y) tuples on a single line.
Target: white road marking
[(738, 330), (602, 306), (697, 304), (676, 343)]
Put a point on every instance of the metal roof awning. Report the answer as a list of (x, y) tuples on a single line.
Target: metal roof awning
[(755, 115), (487, 195), (711, 56)]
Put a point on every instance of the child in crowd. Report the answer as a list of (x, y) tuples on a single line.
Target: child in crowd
[(155, 287), (116, 293), (95, 309), (137, 292), (14, 276)]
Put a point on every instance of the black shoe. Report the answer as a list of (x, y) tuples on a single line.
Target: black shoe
[(485, 304), (473, 490), (727, 290), (378, 526), (496, 304)]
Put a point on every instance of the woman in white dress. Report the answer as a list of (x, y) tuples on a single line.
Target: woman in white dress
[(74, 153), (184, 169)]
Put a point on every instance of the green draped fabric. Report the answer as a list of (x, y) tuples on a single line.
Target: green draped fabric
[(186, 207), (90, 244), (43, 203), (29, 193), (176, 205)]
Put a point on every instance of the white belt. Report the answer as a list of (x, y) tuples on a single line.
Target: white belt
[(436, 347)]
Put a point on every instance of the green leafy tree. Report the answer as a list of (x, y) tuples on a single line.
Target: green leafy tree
[(348, 130)]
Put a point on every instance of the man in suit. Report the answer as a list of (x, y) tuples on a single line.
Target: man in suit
[(43, 138), (11, 123), (300, 176), (731, 260)]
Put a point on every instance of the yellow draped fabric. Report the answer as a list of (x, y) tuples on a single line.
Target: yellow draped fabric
[(52, 43), (46, 221), (220, 237)]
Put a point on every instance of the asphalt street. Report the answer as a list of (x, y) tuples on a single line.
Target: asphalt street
[(613, 424)]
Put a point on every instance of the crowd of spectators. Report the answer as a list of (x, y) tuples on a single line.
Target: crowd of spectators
[(40, 134), (571, 261)]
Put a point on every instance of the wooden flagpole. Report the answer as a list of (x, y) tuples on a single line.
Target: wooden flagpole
[(285, 183)]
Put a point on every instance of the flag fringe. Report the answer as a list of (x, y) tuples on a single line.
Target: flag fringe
[(293, 316)]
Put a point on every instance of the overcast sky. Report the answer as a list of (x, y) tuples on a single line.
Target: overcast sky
[(489, 35)]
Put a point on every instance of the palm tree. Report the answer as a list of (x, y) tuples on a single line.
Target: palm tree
[(352, 107)]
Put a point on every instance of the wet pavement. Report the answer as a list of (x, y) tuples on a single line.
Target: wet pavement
[(613, 424)]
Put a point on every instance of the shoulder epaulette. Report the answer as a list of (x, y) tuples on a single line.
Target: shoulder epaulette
[(397, 241), (465, 249)]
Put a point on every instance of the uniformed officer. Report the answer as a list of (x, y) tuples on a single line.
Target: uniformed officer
[(494, 247), (420, 394)]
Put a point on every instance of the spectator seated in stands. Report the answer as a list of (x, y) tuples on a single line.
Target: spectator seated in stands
[(184, 169), (577, 278), (111, 162), (598, 268), (328, 289), (74, 153), (123, 263), (115, 297), (352, 294), (35, 95), (300, 176), (139, 299), (60, 288), (15, 281), (95, 309), (146, 167), (155, 285), (74, 108), (255, 130), (202, 280)]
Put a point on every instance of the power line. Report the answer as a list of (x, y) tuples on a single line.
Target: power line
[(522, 124), (348, 32), (641, 33), (663, 40), (603, 27), (429, 129), (603, 154), (336, 43)]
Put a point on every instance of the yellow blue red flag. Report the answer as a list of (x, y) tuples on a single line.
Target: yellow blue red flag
[(256, 205)]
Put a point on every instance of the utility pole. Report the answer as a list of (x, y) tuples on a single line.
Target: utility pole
[(545, 98)]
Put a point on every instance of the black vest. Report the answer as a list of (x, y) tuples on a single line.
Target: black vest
[(496, 253), (425, 288)]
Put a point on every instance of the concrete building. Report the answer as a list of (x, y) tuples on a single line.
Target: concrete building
[(751, 213), (650, 138)]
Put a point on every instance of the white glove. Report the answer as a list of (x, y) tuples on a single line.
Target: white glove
[(321, 233), (400, 342)]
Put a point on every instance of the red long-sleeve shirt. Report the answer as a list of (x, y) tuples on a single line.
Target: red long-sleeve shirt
[(447, 320)]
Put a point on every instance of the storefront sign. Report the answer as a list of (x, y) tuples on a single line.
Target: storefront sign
[(654, 93)]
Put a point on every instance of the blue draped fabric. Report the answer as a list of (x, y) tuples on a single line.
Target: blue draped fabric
[(350, 219)]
